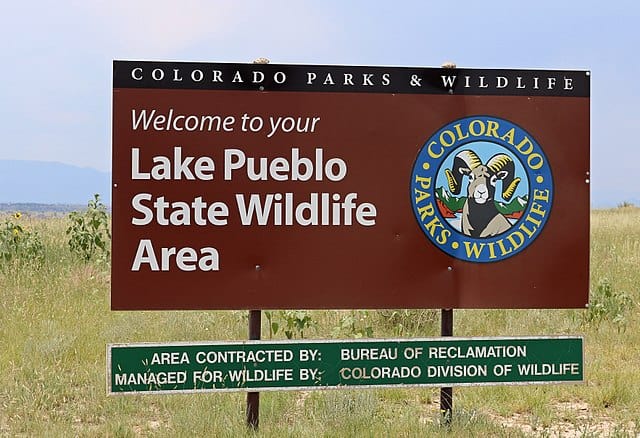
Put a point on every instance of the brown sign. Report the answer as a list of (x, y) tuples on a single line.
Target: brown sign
[(244, 186)]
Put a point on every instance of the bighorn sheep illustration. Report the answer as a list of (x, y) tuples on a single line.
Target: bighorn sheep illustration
[(480, 217)]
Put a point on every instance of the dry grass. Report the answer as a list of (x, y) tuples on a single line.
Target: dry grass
[(55, 322)]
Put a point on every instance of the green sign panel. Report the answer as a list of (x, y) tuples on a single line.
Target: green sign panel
[(290, 365)]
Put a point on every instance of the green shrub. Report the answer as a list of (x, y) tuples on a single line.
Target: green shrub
[(89, 233), (19, 244), (608, 305)]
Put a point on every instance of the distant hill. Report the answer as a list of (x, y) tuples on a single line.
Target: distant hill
[(45, 182)]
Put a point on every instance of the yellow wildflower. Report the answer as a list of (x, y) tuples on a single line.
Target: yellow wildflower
[(16, 231), (17, 215)]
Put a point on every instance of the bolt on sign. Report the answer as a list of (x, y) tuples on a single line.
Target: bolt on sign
[(293, 365), (245, 186)]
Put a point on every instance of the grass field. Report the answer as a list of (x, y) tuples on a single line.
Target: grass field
[(55, 322)]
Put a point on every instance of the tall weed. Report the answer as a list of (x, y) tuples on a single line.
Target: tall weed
[(89, 234)]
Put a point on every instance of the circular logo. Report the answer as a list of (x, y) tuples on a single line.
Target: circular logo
[(481, 189)]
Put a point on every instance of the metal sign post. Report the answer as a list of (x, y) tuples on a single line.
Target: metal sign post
[(253, 398), (446, 393)]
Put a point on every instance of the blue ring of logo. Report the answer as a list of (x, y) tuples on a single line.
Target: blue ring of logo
[(512, 194)]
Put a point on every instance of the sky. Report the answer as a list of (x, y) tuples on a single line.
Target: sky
[(55, 79)]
